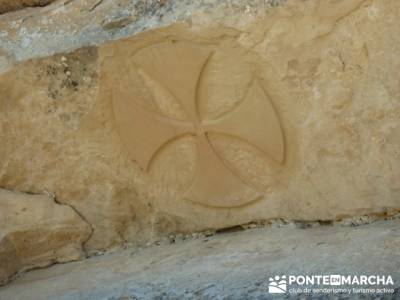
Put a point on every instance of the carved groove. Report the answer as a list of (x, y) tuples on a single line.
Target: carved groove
[(179, 69)]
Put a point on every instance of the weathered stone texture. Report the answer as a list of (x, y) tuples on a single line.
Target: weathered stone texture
[(12, 5), (323, 75), (228, 266), (37, 232)]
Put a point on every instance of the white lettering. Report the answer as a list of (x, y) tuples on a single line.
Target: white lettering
[(340, 280), (346, 279), (363, 280), (318, 278), (310, 280), (300, 280), (292, 279), (380, 280), (371, 280)]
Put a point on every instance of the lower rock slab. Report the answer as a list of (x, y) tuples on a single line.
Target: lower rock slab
[(225, 266)]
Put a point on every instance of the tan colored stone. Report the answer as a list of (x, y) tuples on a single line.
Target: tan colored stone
[(298, 113), (11, 5), (178, 71), (37, 232)]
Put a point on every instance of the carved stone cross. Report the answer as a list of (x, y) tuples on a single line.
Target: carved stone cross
[(178, 67)]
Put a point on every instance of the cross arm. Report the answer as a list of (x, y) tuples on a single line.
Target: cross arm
[(256, 121)]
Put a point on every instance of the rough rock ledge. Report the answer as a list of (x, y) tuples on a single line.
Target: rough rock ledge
[(231, 266), (37, 232)]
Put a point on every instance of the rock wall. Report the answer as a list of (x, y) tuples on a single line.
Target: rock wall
[(231, 113), (37, 232), (13, 5)]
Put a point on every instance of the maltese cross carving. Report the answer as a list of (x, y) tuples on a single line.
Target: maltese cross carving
[(178, 68)]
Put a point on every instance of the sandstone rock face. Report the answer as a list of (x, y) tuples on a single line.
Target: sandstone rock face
[(11, 5), (37, 232), (218, 120)]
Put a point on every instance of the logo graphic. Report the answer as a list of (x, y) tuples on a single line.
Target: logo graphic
[(335, 280), (177, 69), (277, 285), (331, 284)]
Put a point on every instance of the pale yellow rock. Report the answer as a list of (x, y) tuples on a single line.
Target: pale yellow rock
[(37, 232), (214, 123)]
